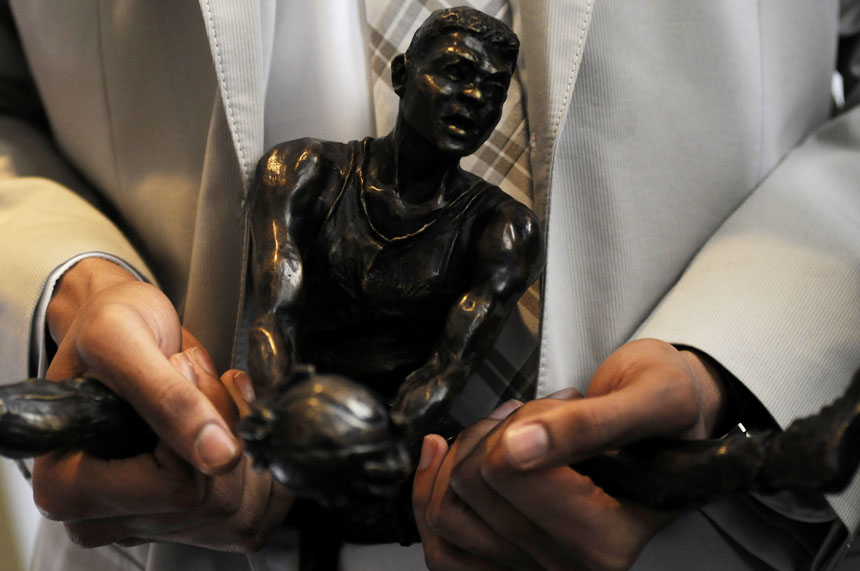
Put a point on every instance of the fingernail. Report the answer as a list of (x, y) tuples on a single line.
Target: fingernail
[(525, 444), (183, 365), (505, 410), (203, 361), (215, 447), (565, 394), (427, 453), (242, 382)]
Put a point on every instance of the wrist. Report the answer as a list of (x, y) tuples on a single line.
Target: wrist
[(714, 400), (738, 404), (78, 284)]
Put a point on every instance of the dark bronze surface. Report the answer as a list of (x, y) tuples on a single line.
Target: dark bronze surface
[(39, 416), (819, 453), (383, 262)]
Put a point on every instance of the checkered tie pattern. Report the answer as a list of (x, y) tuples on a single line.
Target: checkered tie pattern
[(510, 369)]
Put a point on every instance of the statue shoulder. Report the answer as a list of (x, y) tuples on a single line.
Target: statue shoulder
[(299, 177), (509, 235), (306, 158), (498, 210)]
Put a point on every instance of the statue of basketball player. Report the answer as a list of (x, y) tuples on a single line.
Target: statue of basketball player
[(383, 261)]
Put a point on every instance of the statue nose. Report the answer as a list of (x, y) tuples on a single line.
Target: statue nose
[(473, 92)]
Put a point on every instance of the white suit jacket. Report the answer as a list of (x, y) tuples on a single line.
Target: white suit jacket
[(692, 187)]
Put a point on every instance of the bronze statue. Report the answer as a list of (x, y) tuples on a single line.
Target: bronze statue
[(382, 260)]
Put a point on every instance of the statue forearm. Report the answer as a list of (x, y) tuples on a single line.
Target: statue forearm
[(277, 274), (470, 330)]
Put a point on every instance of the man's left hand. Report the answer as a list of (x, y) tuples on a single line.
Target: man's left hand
[(504, 496)]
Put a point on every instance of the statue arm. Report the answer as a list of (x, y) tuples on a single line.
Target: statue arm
[(285, 204), (505, 258)]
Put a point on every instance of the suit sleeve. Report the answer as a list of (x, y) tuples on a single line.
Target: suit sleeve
[(774, 295), (47, 214)]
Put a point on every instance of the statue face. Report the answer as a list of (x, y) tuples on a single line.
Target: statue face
[(454, 92)]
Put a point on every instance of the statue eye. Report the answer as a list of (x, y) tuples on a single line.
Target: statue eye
[(458, 71)]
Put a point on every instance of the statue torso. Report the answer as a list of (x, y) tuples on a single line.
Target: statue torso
[(373, 305)]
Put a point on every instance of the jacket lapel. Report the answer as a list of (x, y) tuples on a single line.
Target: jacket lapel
[(234, 31), (216, 281), (553, 39)]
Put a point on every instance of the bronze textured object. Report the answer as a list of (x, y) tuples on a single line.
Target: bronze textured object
[(816, 454), (39, 416), (383, 262), (381, 259)]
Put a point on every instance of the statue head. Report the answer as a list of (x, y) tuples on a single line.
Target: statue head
[(454, 77)]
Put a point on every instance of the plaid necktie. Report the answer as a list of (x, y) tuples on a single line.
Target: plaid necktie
[(510, 369)]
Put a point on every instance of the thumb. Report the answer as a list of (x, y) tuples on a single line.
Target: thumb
[(181, 414), (168, 399), (577, 429)]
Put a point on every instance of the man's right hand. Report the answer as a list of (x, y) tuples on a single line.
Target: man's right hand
[(121, 331)]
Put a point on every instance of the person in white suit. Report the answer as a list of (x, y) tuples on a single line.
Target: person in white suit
[(695, 191)]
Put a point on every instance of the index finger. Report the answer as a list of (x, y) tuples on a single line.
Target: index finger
[(78, 486)]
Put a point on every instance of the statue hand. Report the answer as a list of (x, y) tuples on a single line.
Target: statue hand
[(326, 437), (268, 358), (425, 396)]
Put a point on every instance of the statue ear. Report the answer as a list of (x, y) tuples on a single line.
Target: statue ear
[(398, 73)]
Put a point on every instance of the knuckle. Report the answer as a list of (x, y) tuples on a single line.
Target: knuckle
[(176, 399), (434, 517), (587, 424), (221, 503), (458, 482), (43, 498), (95, 332), (494, 467)]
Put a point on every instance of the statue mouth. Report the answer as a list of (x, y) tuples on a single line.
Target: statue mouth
[(459, 124)]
